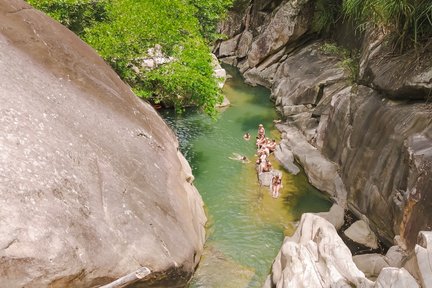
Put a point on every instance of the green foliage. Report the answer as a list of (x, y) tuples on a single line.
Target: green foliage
[(411, 20), (209, 14), (124, 42), (77, 15), (349, 59), (326, 14), (127, 29)]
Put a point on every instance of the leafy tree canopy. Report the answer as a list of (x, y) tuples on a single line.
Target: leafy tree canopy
[(123, 31)]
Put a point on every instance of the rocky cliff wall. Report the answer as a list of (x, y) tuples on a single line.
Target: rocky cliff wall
[(92, 186), (377, 136)]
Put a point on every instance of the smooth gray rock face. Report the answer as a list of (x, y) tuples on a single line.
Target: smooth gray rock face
[(288, 23), (321, 172), (385, 145), (92, 185), (406, 76), (286, 158)]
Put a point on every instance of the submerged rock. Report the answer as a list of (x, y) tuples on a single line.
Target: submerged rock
[(93, 186)]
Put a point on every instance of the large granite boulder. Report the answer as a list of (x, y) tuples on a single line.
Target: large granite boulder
[(315, 256), (92, 184)]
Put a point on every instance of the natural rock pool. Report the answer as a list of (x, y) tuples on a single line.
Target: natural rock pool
[(246, 226)]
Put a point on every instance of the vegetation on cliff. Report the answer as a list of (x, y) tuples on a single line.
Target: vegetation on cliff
[(408, 21), (123, 31)]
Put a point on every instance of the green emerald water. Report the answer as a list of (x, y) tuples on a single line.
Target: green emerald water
[(246, 226)]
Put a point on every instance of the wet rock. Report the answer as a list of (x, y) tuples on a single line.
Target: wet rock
[(93, 186), (265, 178), (360, 232), (304, 74), (213, 262)]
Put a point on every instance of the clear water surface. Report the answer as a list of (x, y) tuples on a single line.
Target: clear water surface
[(246, 226)]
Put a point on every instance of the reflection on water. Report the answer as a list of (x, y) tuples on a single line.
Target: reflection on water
[(246, 225)]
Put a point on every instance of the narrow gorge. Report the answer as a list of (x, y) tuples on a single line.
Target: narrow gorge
[(94, 186), (368, 143)]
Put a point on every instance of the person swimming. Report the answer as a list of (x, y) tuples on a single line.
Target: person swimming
[(239, 157), (246, 136)]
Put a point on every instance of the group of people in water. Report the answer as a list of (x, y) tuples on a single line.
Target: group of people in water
[(265, 147)]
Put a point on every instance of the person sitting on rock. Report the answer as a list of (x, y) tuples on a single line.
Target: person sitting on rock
[(276, 184), (271, 146), (268, 167), (264, 150), (261, 131), (260, 142)]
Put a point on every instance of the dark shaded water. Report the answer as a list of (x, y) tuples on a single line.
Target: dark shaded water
[(246, 225)]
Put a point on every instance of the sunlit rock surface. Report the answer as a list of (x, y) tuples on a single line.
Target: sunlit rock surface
[(92, 186), (360, 232), (315, 256)]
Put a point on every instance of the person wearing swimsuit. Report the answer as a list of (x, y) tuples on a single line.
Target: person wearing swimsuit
[(276, 185)]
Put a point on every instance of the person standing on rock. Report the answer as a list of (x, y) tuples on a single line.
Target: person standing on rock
[(261, 131), (276, 184)]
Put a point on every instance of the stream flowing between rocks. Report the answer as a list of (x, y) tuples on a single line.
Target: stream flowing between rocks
[(246, 226)]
